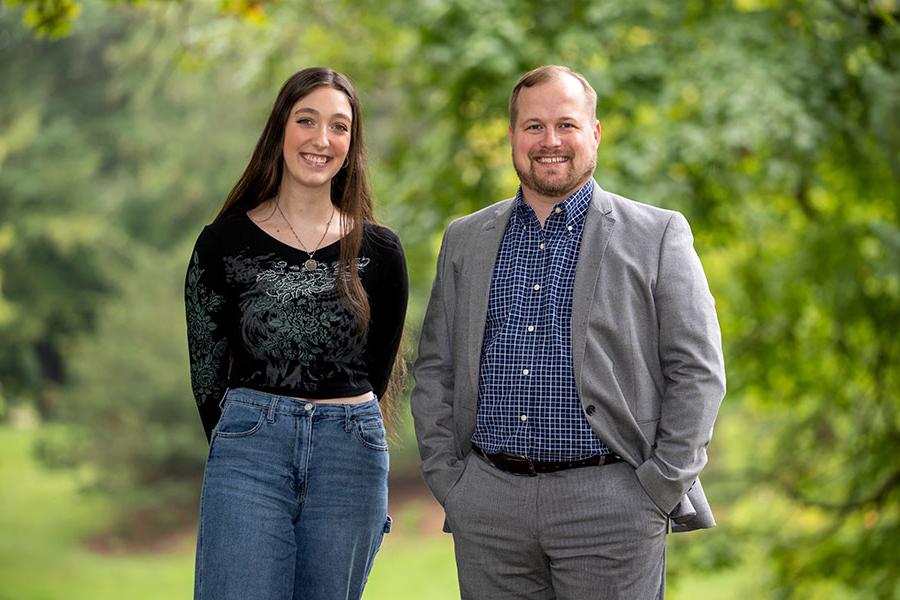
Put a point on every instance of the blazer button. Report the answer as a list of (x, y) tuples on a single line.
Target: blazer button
[(590, 409)]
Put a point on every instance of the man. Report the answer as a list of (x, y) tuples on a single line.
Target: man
[(569, 372)]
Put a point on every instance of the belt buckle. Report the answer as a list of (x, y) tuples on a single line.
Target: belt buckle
[(531, 470), (527, 463)]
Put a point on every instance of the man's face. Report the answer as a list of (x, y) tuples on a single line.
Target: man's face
[(555, 137)]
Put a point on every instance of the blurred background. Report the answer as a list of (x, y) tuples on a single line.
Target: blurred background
[(773, 125)]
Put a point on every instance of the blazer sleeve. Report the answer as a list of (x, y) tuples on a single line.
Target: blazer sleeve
[(690, 354), (432, 396)]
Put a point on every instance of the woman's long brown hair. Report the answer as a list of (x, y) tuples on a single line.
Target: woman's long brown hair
[(350, 192)]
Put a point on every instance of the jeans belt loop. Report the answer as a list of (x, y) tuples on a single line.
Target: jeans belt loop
[(271, 410), (348, 418)]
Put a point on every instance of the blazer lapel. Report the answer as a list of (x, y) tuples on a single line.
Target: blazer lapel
[(598, 225), (483, 256)]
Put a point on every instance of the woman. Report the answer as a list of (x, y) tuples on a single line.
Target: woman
[(295, 304)]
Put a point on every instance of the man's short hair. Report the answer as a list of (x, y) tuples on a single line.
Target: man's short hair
[(543, 75)]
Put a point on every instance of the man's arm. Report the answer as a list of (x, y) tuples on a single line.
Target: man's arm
[(432, 397), (690, 353)]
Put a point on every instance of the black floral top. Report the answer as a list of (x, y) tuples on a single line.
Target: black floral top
[(260, 315)]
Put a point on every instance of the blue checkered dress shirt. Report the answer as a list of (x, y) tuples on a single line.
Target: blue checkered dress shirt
[(527, 398)]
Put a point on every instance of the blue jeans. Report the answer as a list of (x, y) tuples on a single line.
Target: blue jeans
[(294, 502)]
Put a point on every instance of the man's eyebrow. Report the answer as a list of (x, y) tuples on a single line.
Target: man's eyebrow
[(537, 120)]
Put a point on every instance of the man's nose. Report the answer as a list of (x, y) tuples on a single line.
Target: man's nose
[(551, 137)]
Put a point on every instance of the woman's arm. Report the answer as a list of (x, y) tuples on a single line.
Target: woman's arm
[(206, 308), (387, 303)]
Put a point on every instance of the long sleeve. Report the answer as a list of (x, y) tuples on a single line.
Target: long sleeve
[(387, 301), (206, 309), (690, 352), (432, 397)]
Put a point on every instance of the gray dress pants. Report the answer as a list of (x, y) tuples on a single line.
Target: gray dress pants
[(590, 533)]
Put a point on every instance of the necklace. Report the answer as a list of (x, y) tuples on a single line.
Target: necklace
[(309, 264)]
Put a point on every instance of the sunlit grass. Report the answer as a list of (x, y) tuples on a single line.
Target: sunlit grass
[(413, 567), (43, 520)]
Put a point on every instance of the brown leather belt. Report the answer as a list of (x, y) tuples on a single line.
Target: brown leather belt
[(519, 465)]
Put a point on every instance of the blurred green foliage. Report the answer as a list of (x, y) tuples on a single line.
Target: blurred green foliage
[(773, 125)]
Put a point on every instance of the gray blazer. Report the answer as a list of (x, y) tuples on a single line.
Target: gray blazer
[(646, 348)]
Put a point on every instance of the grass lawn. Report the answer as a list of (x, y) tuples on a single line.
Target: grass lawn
[(44, 520)]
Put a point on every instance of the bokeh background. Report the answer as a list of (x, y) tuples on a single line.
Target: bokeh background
[(773, 125)]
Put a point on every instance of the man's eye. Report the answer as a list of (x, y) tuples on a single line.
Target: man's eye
[(567, 125), (533, 127)]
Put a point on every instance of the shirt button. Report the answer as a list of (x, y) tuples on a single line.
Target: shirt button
[(525, 371), (590, 409), (308, 406), (558, 210), (531, 328), (541, 245), (569, 228), (537, 287), (523, 418)]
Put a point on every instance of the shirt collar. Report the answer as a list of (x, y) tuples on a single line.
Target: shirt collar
[(575, 206)]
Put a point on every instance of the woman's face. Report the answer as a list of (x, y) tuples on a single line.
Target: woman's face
[(317, 137)]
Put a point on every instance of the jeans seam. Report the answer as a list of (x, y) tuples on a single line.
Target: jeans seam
[(200, 545), (199, 559), (308, 459)]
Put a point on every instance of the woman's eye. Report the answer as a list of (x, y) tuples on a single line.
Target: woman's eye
[(305, 122), (341, 127)]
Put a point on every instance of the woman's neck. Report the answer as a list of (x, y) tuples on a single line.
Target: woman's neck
[(305, 205)]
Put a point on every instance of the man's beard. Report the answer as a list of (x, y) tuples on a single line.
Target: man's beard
[(565, 187)]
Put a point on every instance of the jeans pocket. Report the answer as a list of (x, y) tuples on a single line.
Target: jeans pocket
[(370, 432), (239, 420)]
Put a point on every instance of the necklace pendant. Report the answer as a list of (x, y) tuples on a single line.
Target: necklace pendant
[(310, 264)]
